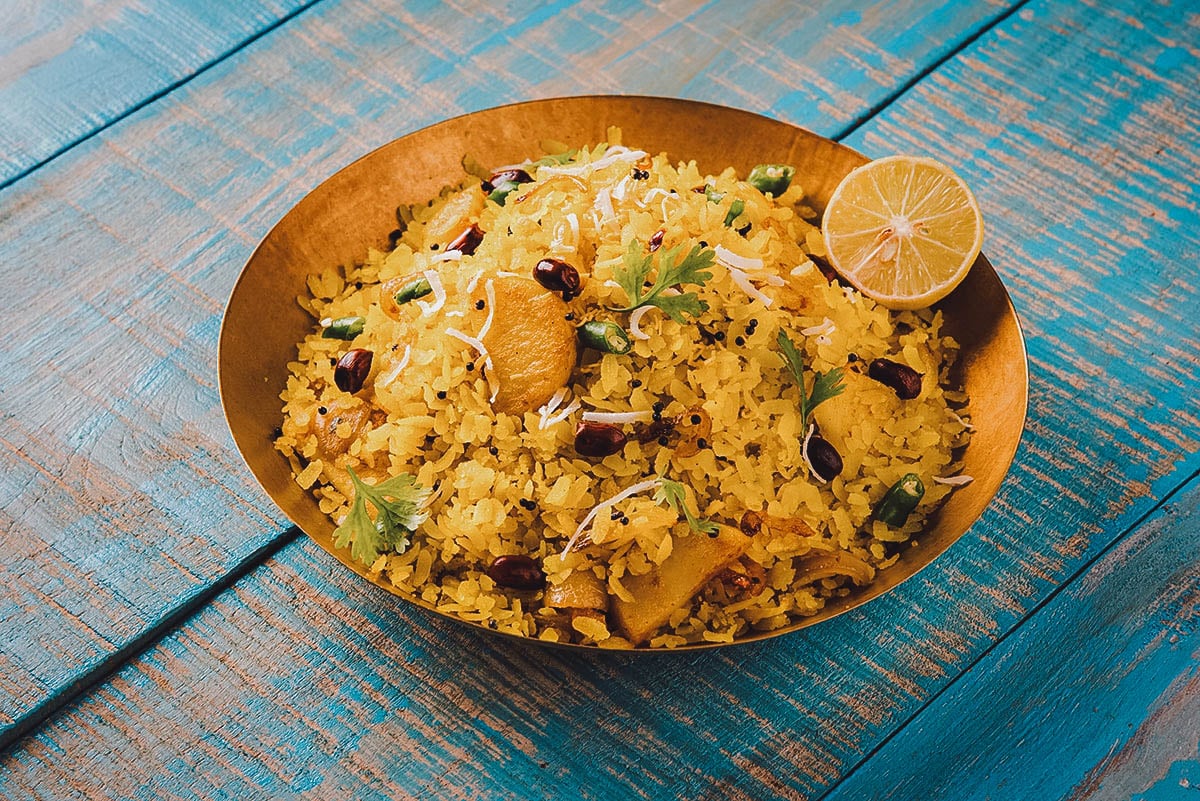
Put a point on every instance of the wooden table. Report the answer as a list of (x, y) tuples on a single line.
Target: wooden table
[(166, 634)]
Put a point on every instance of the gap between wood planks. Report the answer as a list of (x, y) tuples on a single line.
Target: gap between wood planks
[(1014, 629), (177, 617), (166, 90), (902, 90), (143, 642)]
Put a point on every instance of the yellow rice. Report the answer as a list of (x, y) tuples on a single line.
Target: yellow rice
[(476, 513)]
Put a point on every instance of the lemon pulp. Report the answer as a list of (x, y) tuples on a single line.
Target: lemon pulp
[(903, 230)]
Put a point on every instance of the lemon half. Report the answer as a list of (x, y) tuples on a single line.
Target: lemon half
[(904, 230)]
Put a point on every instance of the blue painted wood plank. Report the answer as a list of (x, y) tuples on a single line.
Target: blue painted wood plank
[(300, 684), (124, 499), (68, 69), (1098, 696), (300, 680)]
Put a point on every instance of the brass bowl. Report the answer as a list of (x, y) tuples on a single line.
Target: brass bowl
[(355, 210)]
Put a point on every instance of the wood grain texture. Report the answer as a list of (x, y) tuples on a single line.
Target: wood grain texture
[(299, 681), (302, 685), (123, 499), (1097, 697), (67, 69)]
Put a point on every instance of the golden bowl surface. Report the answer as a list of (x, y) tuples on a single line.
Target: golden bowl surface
[(354, 210)]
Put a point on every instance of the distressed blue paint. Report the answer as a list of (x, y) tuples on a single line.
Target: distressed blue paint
[(1171, 58), (79, 66), (299, 679), (1061, 707), (1179, 777)]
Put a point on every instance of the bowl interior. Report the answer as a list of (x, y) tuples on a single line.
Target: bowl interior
[(354, 210)]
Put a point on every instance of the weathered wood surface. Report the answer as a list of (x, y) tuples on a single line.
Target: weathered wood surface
[(295, 684), (1096, 697), (67, 69), (123, 501), (297, 665)]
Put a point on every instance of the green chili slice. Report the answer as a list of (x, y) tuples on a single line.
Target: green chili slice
[(900, 500), (605, 337), (772, 178), (501, 192), (735, 210), (344, 328), (417, 288)]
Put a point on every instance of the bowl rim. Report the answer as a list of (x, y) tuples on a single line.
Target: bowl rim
[(834, 608)]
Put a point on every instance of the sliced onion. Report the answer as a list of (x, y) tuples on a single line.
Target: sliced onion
[(743, 282), (653, 193), (618, 418), (618, 191), (449, 255), (439, 293), (812, 471), (555, 401), (474, 281), (489, 289), (603, 204), (827, 565), (635, 320), (570, 409), (613, 155), (483, 351), (641, 486), (391, 375), (470, 340), (549, 407), (825, 327), (730, 259), (569, 224), (954, 481)]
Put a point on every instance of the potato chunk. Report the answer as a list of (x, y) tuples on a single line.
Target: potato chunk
[(858, 412), (579, 590), (344, 421), (532, 344), (695, 560), (456, 214)]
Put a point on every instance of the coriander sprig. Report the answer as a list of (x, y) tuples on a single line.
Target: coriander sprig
[(672, 494), (825, 385), (395, 519), (693, 269)]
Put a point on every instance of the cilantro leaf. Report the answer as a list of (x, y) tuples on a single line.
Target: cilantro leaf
[(673, 495), (632, 277), (825, 385), (398, 513), (693, 269)]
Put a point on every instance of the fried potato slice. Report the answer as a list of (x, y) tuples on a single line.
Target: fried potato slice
[(694, 562), (532, 344), (458, 212), (579, 590), (858, 412)]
